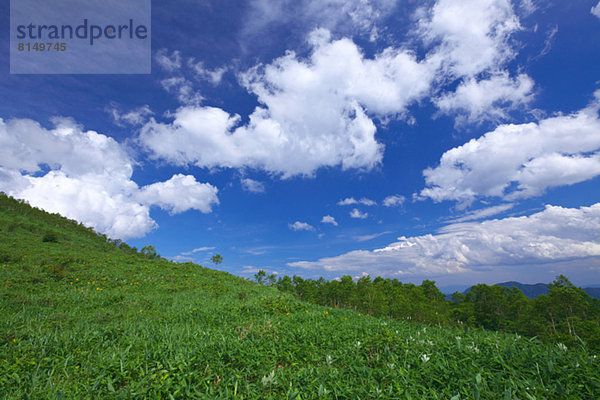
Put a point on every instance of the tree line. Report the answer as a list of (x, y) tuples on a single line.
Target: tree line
[(567, 314)]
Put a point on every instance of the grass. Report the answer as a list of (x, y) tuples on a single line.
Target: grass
[(83, 320)]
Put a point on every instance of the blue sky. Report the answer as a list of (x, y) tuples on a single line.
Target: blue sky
[(450, 140)]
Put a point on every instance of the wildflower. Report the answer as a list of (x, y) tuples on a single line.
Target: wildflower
[(326, 312), (328, 359), (359, 314), (268, 380), (562, 347), (141, 310), (287, 313), (357, 344), (307, 311), (76, 279), (70, 283), (425, 358)]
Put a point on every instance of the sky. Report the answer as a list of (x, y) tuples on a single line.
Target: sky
[(451, 140)]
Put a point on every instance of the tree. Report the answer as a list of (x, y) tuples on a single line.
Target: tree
[(148, 251), (260, 276), (217, 259)]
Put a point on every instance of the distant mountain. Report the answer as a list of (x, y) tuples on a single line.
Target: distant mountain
[(533, 291), (593, 292)]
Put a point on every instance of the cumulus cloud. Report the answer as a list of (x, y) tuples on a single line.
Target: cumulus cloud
[(486, 99), (328, 219), (250, 185), (301, 226), (596, 10), (86, 176), (469, 49), (319, 110), (179, 194), (356, 213), (553, 235), (394, 200), (520, 161), (351, 200), (313, 113)]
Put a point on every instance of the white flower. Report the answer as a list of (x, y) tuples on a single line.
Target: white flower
[(269, 379), (328, 358), (424, 358), (473, 348), (562, 347), (357, 344)]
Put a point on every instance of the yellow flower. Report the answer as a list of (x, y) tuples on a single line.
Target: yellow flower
[(359, 314), (307, 311), (287, 313), (326, 312), (141, 310), (70, 283), (76, 279)]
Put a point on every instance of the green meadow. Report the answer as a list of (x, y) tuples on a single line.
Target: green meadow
[(85, 317)]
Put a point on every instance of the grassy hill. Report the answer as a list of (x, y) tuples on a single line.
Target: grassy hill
[(83, 318)]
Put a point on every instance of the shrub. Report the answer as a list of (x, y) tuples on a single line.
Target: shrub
[(50, 236)]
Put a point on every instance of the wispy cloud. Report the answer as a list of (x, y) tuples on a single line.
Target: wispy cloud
[(365, 238)]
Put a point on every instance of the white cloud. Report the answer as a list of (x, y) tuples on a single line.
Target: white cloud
[(364, 238), (86, 176), (487, 99), (596, 10), (483, 213), (351, 200), (138, 116), (340, 16), (179, 194), (394, 200), (520, 161), (467, 49), (253, 186), (170, 63), (553, 235), (328, 219), (301, 226), (356, 213), (183, 89), (213, 76), (313, 113)]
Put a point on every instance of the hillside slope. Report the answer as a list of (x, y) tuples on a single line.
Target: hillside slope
[(82, 318)]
